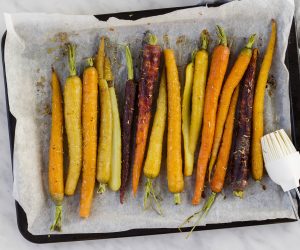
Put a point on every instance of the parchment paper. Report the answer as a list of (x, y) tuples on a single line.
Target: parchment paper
[(36, 41)]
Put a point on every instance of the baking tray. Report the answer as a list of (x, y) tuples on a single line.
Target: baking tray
[(292, 64)]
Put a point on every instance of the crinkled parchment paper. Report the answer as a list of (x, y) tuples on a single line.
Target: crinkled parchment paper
[(36, 41)]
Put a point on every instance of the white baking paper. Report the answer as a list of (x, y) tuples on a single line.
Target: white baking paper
[(36, 41)]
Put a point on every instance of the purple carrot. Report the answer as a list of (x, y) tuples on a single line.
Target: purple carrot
[(130, 90), (241, 151)]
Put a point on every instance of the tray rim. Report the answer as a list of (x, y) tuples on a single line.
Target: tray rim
[(51, 238)]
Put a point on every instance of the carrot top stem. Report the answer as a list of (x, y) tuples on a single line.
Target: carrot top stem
[(72, 54), (251, 41), (204, 39), (151, 194), (90, 62), (239, 194), (56, 226), (152, 39), (202, 213), (194, 52), (177, 199), (101, 188), (222, 36), (129, 63)]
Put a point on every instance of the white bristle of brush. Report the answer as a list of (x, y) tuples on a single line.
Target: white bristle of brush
[(278, 146)]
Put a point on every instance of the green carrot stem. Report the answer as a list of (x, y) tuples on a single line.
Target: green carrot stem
[(194, 55), (147, 192), (204, 39), (72, 55), (251, 41), (177, 199), (222, 36), (56, 226), (239, 194), (101, 188), (129, 63), (151, 194), (152, 39), (208, 204), (90, 62)]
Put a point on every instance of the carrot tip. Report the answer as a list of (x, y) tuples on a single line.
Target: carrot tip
[(56, 226)]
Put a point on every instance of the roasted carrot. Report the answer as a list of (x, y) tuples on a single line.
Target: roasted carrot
[(73, 100), (199, 83), (186, 118), (258, 107), (105, 132), (129, 106), (174, 158), (230, 84), (148, 79), (240, 165), (217, 72), (114, 182), (56, 167), (218, 179), (154, 154), (217, 183), (89, 124)]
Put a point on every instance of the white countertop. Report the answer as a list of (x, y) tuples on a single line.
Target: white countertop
[(277, 236)]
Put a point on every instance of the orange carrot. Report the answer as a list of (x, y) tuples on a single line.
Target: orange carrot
[(89, 124), (217, 72), (55, 168), (174, 158), (219, 174)]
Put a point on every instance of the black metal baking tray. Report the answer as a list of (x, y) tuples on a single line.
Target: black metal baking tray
[(291, 61)]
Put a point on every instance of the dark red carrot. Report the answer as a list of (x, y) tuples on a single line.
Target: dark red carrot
[(240, 165), (148, 79), (127, 124)]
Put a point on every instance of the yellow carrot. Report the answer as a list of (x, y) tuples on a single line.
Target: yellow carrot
[(186, 119), (154, 154), (199, 83), (73, 100), (114, 182), (105, 133), (258, 107), (116, 159)]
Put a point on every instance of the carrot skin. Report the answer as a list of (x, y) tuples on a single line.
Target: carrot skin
[(219, 174), (174, 158), (149, 77), (217, 72), (258, 107), (240, 165), (56, 182), (89, 125), (130, 93)]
